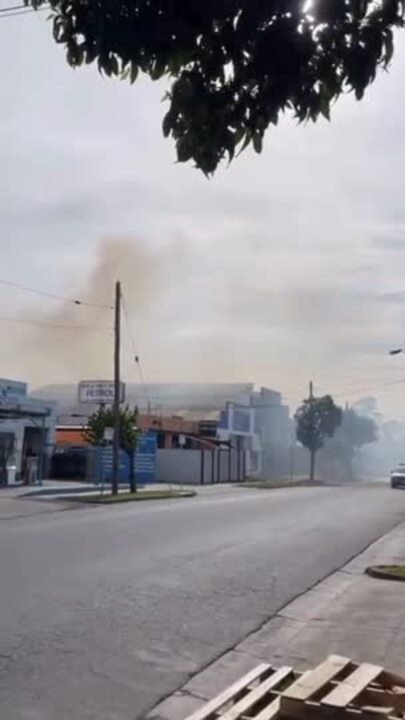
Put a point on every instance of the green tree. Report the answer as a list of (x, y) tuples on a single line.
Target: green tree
[(316, 419), (128, 437), (234, 65)]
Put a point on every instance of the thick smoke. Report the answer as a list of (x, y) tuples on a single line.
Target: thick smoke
[(49, 353)]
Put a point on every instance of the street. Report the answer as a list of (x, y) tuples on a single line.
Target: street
[(104, 611)]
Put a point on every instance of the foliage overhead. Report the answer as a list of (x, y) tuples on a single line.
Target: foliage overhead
[(317, 419), (234, 65)]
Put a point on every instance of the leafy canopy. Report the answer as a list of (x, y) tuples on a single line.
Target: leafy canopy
[(235, 65), (317, 419), (104, 418)]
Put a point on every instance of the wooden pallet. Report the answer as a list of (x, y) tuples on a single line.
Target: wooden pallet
[(338, 687), (256, 696)]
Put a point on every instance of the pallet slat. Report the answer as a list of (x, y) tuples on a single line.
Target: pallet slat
[(248, 702), (209, 710), (296, 710), (380, 697), (270, 712), (352, 686), (337, 689), (307, 685), (391, 679)]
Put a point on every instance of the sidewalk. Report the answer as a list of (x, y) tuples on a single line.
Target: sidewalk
[(19, 501), (349, 614), (25, 501), (14, 505)]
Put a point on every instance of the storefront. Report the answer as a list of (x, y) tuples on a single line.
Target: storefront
[(26, 431)]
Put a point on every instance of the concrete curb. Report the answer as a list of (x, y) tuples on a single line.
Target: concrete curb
[(295, 635), (382, 573), (98, 499)]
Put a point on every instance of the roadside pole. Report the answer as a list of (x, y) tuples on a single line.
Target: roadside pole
[(312, 453), (116, 406)]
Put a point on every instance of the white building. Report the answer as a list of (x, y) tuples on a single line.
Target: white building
[(26, 429), (258, 424), (276, 431)]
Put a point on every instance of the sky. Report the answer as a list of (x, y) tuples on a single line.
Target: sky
[(285, 267)]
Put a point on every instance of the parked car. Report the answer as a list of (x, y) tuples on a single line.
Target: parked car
[(398, 477)]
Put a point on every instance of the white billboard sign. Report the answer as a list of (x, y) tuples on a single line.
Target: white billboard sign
[(99, 391)]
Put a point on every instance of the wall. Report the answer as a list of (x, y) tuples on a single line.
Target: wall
[(184, 466), (69, 436)]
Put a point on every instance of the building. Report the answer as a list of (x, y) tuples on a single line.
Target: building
[(74, 459), (258, 424), (252, 423), (26, 433), (172, 432), (276, 431), (237, 427)]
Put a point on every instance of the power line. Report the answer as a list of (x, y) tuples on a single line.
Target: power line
[(13, 7), (59, 326), (52, 296), (19, 10), (358, 391), (27, 11), (5, 15), (135, 351)]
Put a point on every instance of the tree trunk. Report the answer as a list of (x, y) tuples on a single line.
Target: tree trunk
[(312, 465), (132, 479)]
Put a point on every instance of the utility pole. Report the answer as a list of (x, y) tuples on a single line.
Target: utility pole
[(117, 388), (312, 451)]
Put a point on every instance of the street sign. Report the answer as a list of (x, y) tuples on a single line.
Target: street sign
[(99, 391), (108, 434)]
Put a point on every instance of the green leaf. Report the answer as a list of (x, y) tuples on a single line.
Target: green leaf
[(133, 73), (324, 107), (257, 142), (389, 47), (167, 124), (238, 136), (184, 149), (248, 138), (158, 69), (237, 65)]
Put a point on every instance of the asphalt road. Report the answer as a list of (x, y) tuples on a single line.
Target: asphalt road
[(103, 611)]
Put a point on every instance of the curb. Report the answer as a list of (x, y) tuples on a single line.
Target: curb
[(382, 573), (172, 705), (97, 499)]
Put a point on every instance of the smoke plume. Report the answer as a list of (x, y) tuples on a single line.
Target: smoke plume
[(76, 341)]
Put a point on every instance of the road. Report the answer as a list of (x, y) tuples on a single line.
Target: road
[(103, 611)]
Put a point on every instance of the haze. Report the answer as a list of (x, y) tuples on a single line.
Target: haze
[(284, 267)]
